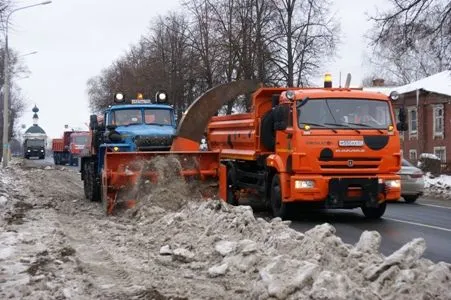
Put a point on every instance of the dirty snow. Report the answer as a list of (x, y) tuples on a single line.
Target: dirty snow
[(429, 155), (438, 186), (56, 245)]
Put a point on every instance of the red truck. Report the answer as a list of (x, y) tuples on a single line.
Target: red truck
[(67, 150)]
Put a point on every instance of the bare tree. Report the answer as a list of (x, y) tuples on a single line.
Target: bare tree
[(412, 39), (308, 35)]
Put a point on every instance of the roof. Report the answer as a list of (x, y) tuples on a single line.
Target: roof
[(35, 129), (439, 83)]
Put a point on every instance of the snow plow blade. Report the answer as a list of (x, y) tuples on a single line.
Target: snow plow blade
[(125, 172)]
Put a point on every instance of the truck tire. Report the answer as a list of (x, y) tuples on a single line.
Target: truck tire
[(278, 207), (268, 134), (232, 199), (91, 183), (374, 212)]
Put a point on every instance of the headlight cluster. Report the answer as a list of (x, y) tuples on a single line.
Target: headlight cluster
[(393, 183), (304, 184)]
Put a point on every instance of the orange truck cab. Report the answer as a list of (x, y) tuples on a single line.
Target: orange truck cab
[(67, 150), (78, 142), (321, 147)]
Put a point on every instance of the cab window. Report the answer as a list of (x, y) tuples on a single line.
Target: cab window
[(126, 117), (157, 116)]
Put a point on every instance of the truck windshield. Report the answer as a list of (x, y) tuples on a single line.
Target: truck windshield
[(126, 117), (345, 113), (157, 116), (35, 143), (80, 140)]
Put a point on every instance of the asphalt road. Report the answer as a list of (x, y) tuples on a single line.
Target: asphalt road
[(429, 218), (401, 223)]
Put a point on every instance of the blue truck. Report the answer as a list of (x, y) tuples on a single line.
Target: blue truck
[(130, 125)]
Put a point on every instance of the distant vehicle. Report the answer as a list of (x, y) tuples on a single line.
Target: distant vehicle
[(412, 182), (67, 150), (34, 148)]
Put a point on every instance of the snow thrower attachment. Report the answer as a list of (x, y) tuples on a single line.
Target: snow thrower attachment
[(124, 173)]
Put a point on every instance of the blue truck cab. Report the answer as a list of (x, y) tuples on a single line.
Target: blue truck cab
[(139, 127), (127, 126)]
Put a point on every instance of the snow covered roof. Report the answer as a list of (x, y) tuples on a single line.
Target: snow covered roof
[(439, 83)]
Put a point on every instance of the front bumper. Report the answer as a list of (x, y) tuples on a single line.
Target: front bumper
[(343, 191)]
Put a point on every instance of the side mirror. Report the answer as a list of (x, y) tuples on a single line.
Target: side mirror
[(93, 123), (281, 116), (402, 124), (111, 127)]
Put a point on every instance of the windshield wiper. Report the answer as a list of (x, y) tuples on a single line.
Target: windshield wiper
[(319, 125), (135, 123), (366, 125), (343, 125)]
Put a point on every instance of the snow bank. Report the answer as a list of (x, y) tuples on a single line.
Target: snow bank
[(262, 259), (440, 185), (429, 155), (274, 261)]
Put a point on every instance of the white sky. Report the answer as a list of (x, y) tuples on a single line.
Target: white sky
[(76, 39)]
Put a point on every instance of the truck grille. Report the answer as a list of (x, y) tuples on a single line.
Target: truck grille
[(156, 142), (350, 163)]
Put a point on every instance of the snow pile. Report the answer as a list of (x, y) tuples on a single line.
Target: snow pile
[(246, 257), (261, 259), (429, 156), (440, 185)]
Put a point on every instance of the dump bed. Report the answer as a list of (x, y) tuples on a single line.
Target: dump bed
[(239, 136), (58, 145)]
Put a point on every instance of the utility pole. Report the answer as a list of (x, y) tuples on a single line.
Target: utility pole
[(5, 140)]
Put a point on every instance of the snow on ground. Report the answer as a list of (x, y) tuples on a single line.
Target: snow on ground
[(56, 245), (440, 186)]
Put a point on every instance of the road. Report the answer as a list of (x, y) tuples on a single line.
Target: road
[(429, 218), (401, 223)]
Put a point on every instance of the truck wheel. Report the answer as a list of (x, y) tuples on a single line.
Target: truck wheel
[(374, 212), (232, 199), (92, 186), (268, 135), (410, 198), (278, 207)]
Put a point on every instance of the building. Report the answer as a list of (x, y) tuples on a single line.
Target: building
[(35, 131), (428, 106)]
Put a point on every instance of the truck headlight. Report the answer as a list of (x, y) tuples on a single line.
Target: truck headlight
[(42, 150), (304, 184), (393, 183)]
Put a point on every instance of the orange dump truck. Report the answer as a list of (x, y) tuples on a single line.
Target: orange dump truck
[(67, 150), (325, 148)]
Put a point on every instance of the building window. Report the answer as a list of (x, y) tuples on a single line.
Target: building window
[(440, 152), (413, 154), (438, 120), (413, 121)]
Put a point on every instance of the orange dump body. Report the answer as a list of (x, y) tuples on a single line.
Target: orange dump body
[(57, 145), (299, 151)]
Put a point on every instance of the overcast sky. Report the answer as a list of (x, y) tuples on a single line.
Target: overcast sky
[(76, 39)]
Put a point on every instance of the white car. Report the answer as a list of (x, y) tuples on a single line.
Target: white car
[(412, 182)]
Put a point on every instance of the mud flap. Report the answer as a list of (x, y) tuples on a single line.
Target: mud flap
[(223, 182), (370, 189)]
